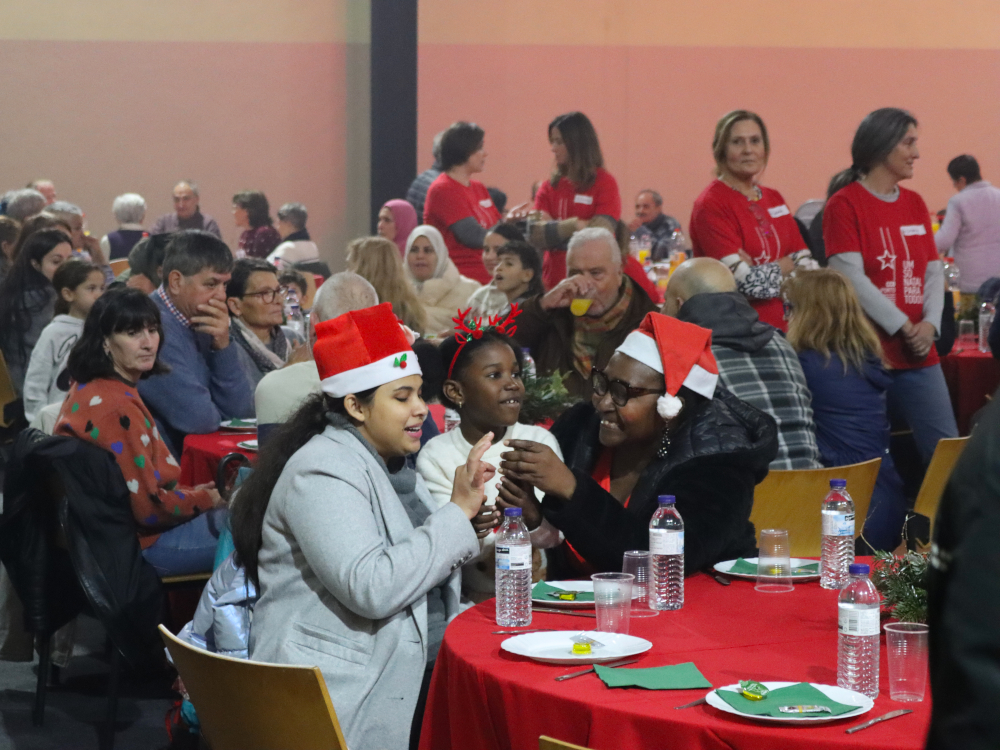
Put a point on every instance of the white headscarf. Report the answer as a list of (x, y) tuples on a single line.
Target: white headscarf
[(437, 242)]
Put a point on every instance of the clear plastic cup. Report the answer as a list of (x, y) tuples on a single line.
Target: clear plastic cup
[(774, 565), (613, 601), (636, 562), (906, 643)]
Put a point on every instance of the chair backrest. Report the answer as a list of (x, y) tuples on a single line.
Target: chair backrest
[(547, 743), (792, 500), (7, 393), (808, 210), (942, 462), (247, 705), (118, 266)]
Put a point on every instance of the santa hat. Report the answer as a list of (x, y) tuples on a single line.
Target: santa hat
[(682, 352), (362, 349)]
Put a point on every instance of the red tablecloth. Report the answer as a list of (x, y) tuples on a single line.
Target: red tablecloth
[(972, 376), (487, 699), (202, 453)]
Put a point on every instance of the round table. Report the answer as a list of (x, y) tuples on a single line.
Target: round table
[(972, 377), (484, 698), (202, 453)]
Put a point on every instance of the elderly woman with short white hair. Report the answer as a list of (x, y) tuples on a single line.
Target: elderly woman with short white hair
[(440, 288), (130, 212)]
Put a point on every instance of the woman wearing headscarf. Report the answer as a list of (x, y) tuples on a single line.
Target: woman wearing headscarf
[(440, 288), (396, 219)]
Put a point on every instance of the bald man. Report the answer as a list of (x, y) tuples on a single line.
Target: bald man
[(755, 361)]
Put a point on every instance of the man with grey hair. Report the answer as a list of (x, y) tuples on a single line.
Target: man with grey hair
[(24, 203), (579, 323), (83, 244), (187, 213), (130, 211), (280, 393), (755, 361), (417, 194), (650, 220), (296, 244)]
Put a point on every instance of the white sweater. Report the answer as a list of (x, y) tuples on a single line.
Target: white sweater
[(48, 359), (437, 462)]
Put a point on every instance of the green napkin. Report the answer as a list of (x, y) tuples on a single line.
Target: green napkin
[(675, 677), (800, 694), (742, 567), (241, 423), (541, 592)]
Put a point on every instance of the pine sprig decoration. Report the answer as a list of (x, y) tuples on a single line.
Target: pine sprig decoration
[(545, 397), (902, 582)]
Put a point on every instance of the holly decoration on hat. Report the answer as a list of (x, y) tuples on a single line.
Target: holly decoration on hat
[(400, 362)]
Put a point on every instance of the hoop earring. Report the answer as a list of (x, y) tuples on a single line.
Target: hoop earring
[(664, 448)]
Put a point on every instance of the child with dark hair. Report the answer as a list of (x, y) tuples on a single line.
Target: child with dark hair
[(483, 384), (519, 272), (78, 285)]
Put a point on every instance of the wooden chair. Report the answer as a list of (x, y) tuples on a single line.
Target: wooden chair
[(792, 499), (8, 395), (938, 470), (118, 266), (547, 743), (247, 705)]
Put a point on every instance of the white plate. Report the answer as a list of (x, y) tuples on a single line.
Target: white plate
[(841, 695), (556, 647), (247, 445), (723, 567), (230, 427), (548, 601)]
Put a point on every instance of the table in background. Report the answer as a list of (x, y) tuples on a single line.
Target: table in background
[(485, 698), (202, 453), (972, 376)]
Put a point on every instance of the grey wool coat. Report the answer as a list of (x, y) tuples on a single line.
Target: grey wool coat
[(343, 583)]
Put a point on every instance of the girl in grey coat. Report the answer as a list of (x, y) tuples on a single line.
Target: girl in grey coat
[(342, 572)]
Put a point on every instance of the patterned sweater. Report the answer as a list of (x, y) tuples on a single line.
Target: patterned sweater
[(109, 413)]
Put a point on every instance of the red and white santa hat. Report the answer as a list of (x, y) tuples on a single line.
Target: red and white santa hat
[(681, 351), (362, 349)]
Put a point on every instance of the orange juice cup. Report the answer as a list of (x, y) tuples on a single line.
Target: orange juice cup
[(580, 305)]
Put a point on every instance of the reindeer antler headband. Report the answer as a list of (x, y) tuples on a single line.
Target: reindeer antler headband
[(466, 331)]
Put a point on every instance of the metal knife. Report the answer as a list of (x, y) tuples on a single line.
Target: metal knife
[(720, 579), (518, 632), (884, 717), (692, 704), (590, 669), (564, 612)]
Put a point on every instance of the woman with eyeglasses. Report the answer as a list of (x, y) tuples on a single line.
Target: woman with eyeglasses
[(657, 424), (747, 226), (256, 304)]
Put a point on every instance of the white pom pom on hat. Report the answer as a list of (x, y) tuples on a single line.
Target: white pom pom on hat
[(681, 351)]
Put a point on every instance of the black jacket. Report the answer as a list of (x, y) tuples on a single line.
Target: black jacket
[(717, 457), (964, 598), (99, 568)]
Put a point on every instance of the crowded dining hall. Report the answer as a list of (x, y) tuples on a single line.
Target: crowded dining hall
[(499, 375)]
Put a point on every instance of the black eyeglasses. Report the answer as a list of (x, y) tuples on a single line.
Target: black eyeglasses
[(267, 296), (620, 391)]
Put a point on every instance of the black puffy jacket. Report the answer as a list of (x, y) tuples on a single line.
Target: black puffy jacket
[(717, 457)]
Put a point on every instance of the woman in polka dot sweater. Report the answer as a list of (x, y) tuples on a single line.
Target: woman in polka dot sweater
[(178, 526)]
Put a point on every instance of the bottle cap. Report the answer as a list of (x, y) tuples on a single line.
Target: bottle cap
[(838, 484), (858, 569), (508, 512), (667, 499)]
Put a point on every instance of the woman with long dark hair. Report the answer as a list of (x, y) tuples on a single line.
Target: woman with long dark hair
[(27, 299), (323, 529), (580, 193), (878, 234), (252, 215)]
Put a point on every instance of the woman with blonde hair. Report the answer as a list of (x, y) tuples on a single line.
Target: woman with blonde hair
[(377, 260), (843, 363)]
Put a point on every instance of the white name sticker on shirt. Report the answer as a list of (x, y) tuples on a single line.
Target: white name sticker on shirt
[(911, 229), (666, 542), (777, 211), (485, 203), (587, 200), (513, 557)]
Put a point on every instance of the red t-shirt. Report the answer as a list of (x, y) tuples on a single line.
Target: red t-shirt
[(896, 243), (449, 201), (564, 201), (723, 222)]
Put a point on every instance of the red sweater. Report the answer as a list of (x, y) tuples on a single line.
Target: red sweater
[(449, 201), (723, 222), (896, 244), (109, 413)]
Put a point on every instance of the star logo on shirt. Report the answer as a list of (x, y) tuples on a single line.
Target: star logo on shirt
[(763, 258), (888, 260)]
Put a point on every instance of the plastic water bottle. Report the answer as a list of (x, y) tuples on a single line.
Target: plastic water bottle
[(666, 556), (513, 571), (838, 536), (858, 633), (676, 245), (952, 277), (529, 362), (986, 313), (293, 314)]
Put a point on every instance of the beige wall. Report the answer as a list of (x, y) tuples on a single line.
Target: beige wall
[(110, 97), (655, 76)]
